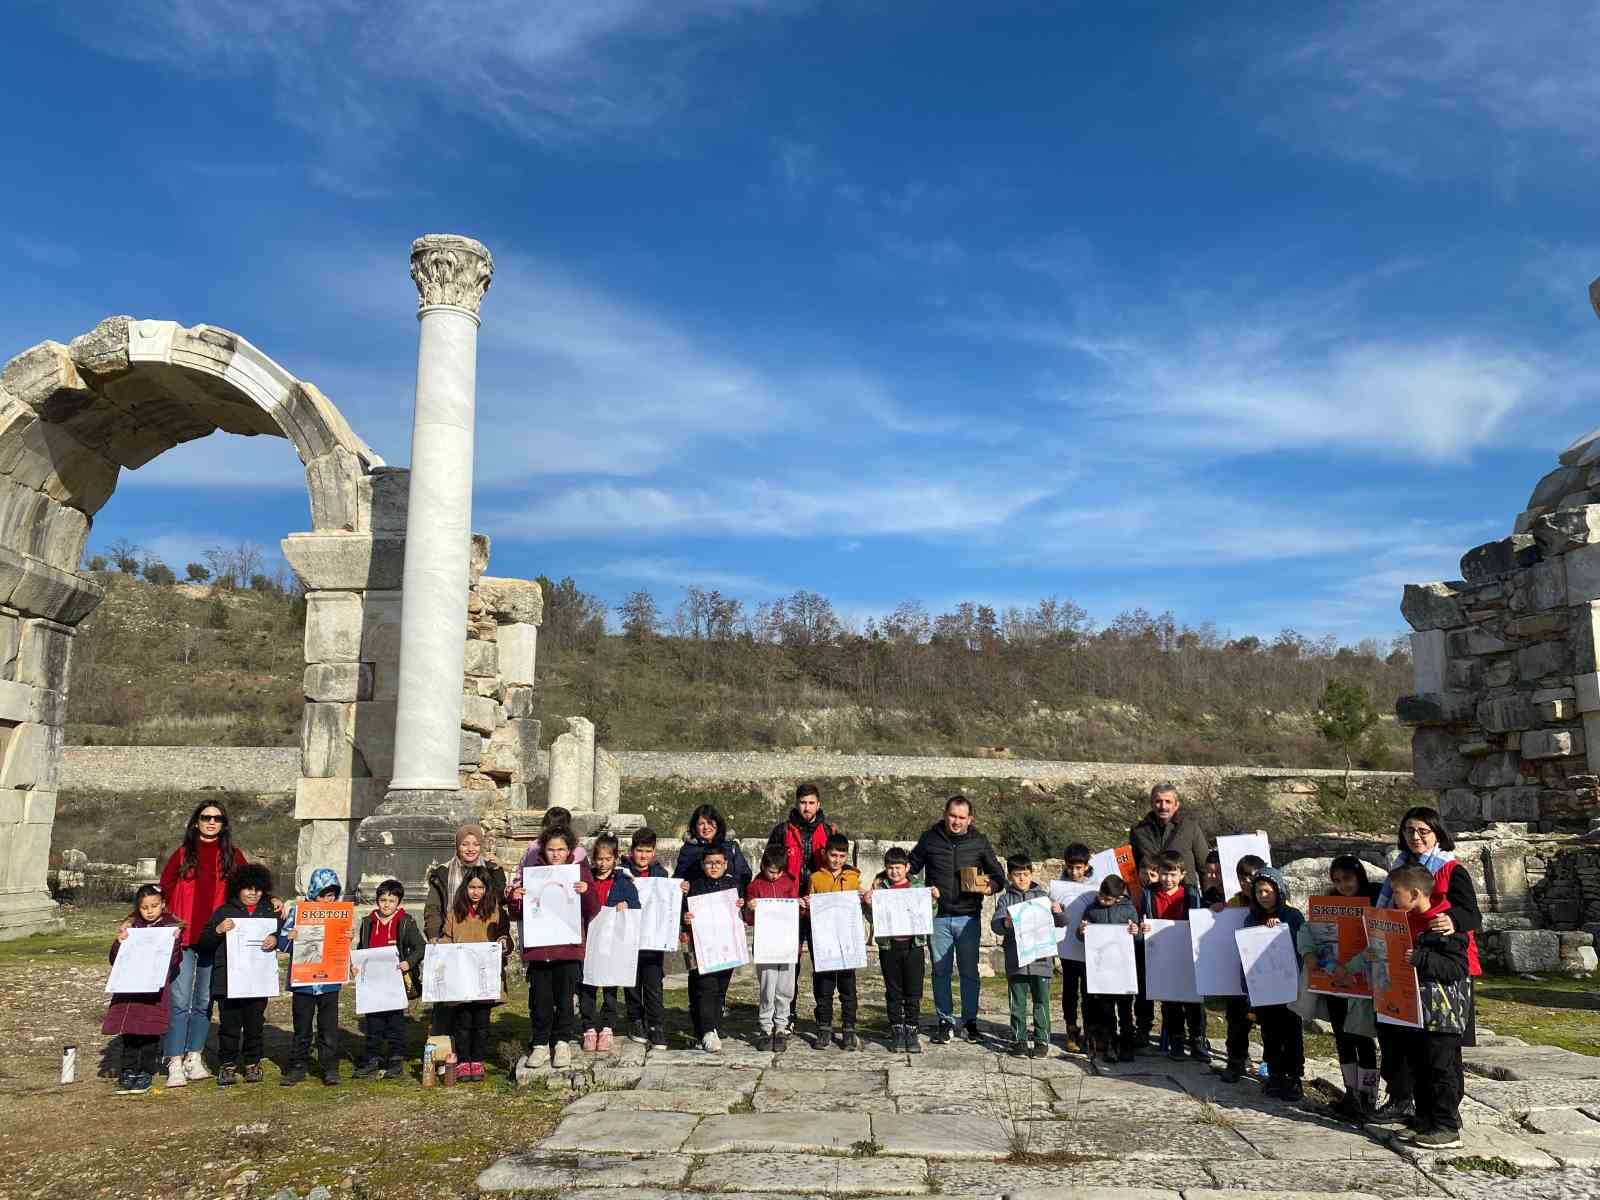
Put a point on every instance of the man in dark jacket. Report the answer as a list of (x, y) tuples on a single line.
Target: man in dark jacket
[(1165, 828), (941, 855)]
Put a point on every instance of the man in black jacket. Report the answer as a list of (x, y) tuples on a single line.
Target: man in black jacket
[(1165, 827), (941, 855)]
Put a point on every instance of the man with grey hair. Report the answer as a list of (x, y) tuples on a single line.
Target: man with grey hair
[(1164, 827)]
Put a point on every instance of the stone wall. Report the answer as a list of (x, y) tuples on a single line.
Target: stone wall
[(1507, 663)]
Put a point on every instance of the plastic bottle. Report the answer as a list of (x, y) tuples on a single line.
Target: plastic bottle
[(427, 1065)]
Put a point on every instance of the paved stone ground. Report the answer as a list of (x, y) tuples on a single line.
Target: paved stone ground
[(962, 1120)]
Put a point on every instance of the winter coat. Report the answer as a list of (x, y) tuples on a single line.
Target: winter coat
[(824, 880), (804, 844), (215, 943), (1290, 916), (321, 880), (1444, 983), (144, 1012), (1183, 833), (694, 848), (181, 893), (621, 891), (572, 952), (476, 928), (1452, 882), (656, 871), (784, 887), (408, 942), (939, 857), (1001, 924), (438, 903), (1119, 913)]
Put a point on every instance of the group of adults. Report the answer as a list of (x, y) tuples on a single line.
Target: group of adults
[(953, 855)]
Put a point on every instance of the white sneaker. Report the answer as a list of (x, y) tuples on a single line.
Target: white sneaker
[(561, 1056), (194, 1066), (175, 1075), (711, 1043)]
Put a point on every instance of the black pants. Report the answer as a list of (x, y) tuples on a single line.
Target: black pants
[(599, 1006), (239, 1031), (386, 1034), (1182, 1023), (1144, 1011), (1074, 989), (902, 963), (1110, 1020), (1352, 1048), (1394, 1067), (141, 1053), (707, 994), (646, 1002), (1433, 1061), (551, 986), (469, 1030), (1237, 1013), (823, 984), (1282, 1043), (324, 1011)]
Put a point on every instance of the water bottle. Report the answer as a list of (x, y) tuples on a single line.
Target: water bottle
[(69, 1064), (1261, 1072)]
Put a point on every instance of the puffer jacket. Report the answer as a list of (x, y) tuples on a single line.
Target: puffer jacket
[(321, 880), (939, 858)]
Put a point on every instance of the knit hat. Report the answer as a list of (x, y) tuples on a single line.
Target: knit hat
[(468, 830)]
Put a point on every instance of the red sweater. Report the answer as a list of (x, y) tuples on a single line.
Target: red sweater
[(194, 896), (784, 887), (383, 935), (1173, 907)]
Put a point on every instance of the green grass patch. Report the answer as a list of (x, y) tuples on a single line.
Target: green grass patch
[(1486, 1165)]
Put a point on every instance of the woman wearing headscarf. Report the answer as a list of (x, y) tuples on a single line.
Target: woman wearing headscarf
[(443, 881)]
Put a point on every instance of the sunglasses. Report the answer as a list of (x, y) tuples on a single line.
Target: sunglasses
[(212, 817)]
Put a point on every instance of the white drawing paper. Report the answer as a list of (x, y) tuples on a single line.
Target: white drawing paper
[(552, 912), (718, 932), (777, 930), (611, 951), (380, 986), (144, 961), (1271, 971), (1169, 962), (456, 972), (1102, 866), (1075, 899), (901, 912), (838, 932), (661, 902), (252, 971), (1234, 846), (1217, 970), (1111, 966), (1033, 926)]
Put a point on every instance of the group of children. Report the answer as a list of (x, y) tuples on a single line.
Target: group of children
[(1114, 1026)]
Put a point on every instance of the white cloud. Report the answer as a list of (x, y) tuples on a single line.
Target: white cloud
[(684, 573)]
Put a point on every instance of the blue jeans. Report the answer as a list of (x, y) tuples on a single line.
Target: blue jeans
[(955, 945), (190, 1022)]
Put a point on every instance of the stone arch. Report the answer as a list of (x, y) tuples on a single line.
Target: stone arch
[(72, 417)]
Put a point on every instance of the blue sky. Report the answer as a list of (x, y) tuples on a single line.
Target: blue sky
[(1254, 316)]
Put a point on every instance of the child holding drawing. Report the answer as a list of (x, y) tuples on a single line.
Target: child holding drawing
[(475, 915), (1106, 1012), (837, 876), (608, 888), (390, 925), (708, 990), (240, 1030), (140, 1018), (1074, 972), (647, 1013), (1028, 983), (774, 981), (902, 959), (1183, 1024), (313, 1002), (554, 971), (1351, 1016), (1237, 1008), (1282, 1042)]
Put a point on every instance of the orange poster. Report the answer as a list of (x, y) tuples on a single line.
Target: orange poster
[(1336, 922), (1119, 861), (322, 932), (1394, 981)]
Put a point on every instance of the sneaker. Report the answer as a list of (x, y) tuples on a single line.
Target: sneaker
[(658, 1039), (711, 1043), (763, 1042), (396, 1068), (1394, 1111), (227, 1076), (175, 1072), (194, 1066), (637, 1033), (252, 1073), (1041, 1049), (603, 1042), (371, 1069), (591, 1040), (561, 1056), (125, 1083), (941, 1034), (1017, 1049), (970, 1032), (140, 1084), (850, 1040), (295, 1074), (1436, 1139), (824, 1037), (780, 1043)]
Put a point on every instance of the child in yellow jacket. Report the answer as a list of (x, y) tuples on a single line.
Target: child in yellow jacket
[(837, 876)]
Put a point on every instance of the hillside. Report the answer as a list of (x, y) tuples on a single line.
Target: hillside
[(179, 664)]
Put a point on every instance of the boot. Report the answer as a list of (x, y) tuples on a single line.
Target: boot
[(824, 1037), (897, 1038), (396, 1068), (1073, 1042), (295, 1074), (913, 1040), (227, 1076), (1367, 1091), (370, 1069), (850, 1042)]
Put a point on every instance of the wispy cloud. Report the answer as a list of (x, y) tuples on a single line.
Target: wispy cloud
[(685, 573)]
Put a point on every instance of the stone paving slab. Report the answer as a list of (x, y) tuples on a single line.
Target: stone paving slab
[(1562, 1120), (1393, 1177), (1107, 1173), (734, 1053), (787, 1172), (789, 1102), (1524, 1096), (1136, 1138), (624, 1132), (659, 1194), (1484, 1141), (1150, 1089), (778, 1132), (1045, 1068), (933, 1137), (919, 1081), (1273, 1194), (1569, 1149), (1529, 1063), (617, 1077), (677, 1100), (1091, 1193), (831, 1083), (699, 1078), (542, 1170)]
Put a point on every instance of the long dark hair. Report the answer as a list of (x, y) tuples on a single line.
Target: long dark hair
[(489, 906), (191, 842), (1429, 817), (710, 813)]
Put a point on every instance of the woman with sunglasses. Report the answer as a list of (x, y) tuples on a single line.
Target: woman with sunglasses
[(1425, 838), (195, 883)]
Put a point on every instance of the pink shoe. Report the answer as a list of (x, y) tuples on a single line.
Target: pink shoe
[(590, 1039), (604, 1041), (477, 1072)]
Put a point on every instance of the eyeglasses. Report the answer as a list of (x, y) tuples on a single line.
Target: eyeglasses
[(1416, 832), (211, 817)]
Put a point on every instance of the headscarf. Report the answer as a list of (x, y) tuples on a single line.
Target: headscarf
[(457, 867)]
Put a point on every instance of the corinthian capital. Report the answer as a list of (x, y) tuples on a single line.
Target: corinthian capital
[(449, 269)]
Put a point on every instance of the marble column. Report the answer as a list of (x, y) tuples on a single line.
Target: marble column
[(415, 823)]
